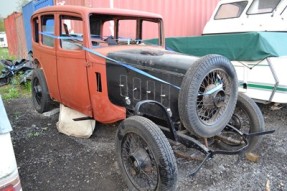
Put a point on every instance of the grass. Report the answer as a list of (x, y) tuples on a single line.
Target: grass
[(4, 54), (14, 89)]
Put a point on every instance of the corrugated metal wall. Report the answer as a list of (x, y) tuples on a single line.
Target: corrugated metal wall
[(182, 18), (21, 51), (15, 32), (27, 11), (70, 2), (11, 32), (42, 3)]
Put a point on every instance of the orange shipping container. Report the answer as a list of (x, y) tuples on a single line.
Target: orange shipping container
[(16, 35), (11, 32), (21, 50), (182, 18)]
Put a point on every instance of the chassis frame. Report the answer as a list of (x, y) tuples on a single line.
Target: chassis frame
[(177, 136)]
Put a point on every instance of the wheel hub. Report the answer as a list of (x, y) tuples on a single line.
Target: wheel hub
[(235, 122), (213, 96), (140, 161), (37, 89)]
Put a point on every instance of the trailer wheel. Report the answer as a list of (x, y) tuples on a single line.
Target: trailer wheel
[(40, 95), (208, 95), (145, 157), (248, 119)]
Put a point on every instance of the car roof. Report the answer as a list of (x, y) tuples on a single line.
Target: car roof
[(86, 11)]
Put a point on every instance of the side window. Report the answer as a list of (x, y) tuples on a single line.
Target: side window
[(230, 10), (262, 6), (71, 32), (36, 29), (47, 30)]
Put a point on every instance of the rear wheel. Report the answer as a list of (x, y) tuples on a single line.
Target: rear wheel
[(145, 157), (248, 119), (40, 94), (208, 95)]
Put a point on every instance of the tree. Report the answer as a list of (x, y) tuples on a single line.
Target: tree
[(2, 27)]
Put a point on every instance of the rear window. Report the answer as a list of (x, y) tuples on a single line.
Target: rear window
[(230, 10)]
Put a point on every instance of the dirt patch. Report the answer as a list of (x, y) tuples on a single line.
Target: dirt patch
[(48, 160)]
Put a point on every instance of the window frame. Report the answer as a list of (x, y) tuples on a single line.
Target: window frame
[(60, 27), (238, 15), (41, 30), (260, 13)]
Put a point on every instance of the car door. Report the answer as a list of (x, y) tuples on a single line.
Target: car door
[(44, 48), (71, 64)]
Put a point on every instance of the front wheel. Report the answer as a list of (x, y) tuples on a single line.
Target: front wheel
[(145, 156)]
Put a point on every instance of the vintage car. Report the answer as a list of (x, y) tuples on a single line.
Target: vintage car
[(99, 62)]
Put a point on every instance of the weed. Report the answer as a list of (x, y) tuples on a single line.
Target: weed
[(33, 134), (12, 93), (28, 87), (15, 90)]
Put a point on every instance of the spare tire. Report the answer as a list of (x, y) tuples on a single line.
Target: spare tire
[(208, 95)]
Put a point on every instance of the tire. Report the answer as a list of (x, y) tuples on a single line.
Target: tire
[(248, 119), (208, 95), (40, 94), (145, 157)]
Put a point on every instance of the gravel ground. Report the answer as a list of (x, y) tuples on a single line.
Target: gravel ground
[(49, 160)]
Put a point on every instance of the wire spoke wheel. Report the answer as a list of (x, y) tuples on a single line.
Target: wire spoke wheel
[(247, 118), (139, 162), (208, 95), (145, 156), (213, 96)]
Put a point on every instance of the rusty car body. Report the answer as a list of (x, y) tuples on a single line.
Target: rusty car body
[(87, 62)]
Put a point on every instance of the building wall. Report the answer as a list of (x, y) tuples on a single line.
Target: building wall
[(182, 18)]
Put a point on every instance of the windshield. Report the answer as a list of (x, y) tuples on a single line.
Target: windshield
[(106, 30), (262, 6), (230, 10)]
